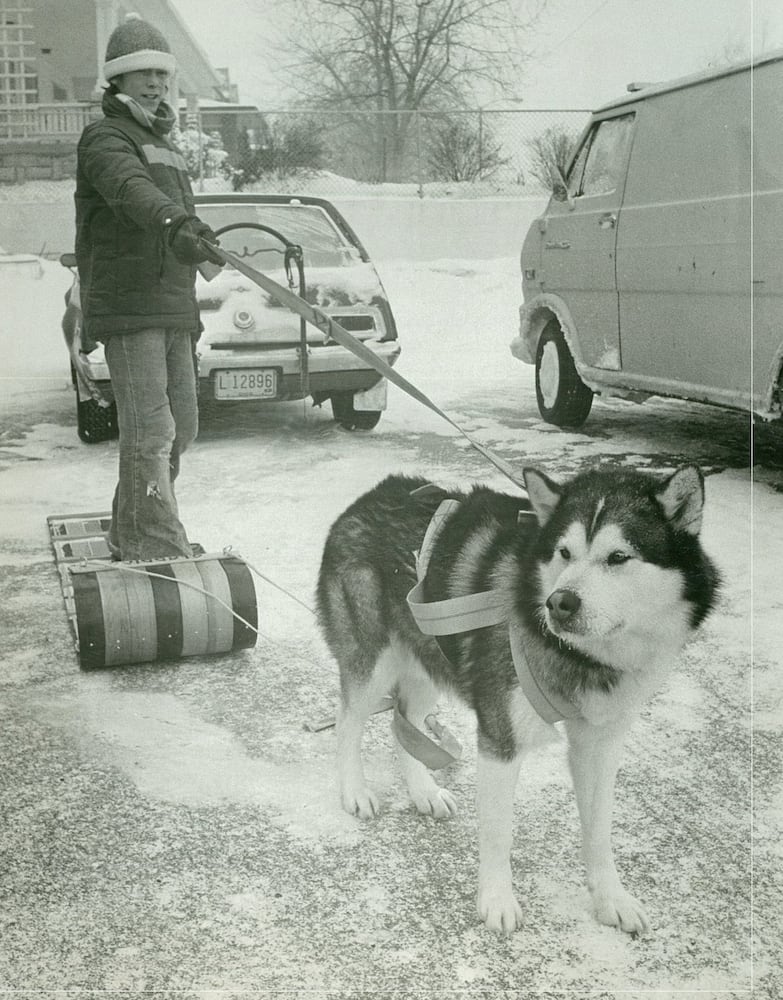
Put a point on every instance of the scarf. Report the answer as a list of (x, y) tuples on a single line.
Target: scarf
[(161, 123)]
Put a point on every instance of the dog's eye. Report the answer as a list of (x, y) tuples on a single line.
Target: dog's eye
[(618, 558), (564, 553)]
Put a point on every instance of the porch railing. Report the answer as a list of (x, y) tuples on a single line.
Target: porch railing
[(58, 122)]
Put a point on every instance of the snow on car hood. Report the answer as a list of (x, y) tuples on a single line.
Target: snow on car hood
[(235, 310)]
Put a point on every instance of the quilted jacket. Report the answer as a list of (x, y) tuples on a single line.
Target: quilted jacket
[(131, 186)]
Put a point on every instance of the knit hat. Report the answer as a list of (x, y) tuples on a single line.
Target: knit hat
[(134, 45)]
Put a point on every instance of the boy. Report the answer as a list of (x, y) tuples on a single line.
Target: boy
[(138, 242)]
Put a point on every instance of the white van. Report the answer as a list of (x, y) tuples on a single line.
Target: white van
[(660, 270)]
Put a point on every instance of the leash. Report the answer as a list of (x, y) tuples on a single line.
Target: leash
[(332, 329)]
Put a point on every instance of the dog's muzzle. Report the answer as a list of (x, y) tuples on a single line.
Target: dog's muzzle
[(563, 606)]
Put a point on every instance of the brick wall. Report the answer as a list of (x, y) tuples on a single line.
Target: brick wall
[(35, 161)]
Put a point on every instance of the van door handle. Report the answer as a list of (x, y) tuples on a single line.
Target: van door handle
[(607, 221)]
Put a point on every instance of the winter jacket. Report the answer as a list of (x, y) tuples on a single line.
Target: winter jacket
[(131, 187)]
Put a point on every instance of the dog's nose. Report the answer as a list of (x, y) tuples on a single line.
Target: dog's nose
[(563, 604)]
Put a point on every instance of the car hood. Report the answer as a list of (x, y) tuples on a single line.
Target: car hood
[(235, 311)]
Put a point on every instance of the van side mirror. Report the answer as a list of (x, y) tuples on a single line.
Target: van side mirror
[(560, 190)]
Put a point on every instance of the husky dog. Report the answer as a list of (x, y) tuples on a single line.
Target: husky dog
[(602, 580)]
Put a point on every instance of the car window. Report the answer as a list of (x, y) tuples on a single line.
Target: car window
[(306, 225), (600, 162)]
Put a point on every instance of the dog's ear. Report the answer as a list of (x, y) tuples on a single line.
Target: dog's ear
[(543, 492), (682, 499)]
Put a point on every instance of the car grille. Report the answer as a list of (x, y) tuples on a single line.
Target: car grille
[(355, 323), (361, 325), (207, 304)]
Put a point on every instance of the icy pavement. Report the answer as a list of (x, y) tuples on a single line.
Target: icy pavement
[(172, 829)]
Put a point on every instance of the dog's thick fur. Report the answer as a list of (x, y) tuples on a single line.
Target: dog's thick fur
[(606, 583)]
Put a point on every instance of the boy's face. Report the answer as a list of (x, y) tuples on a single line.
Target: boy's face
[(146, 86)]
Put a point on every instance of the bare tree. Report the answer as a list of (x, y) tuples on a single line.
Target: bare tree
[(550, 153), (736, 50), (461, 150), (394, 57)]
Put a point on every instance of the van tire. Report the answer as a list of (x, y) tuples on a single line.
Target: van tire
[(563, 398)]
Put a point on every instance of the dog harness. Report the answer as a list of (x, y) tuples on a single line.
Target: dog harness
[(463, 614), (456, 614)]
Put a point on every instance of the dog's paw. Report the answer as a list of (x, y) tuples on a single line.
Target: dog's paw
[(361, 802), (436, 802), (618, 908), (499, 909)]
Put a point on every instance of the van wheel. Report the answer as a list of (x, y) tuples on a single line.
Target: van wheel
[(349, 418), (563, 398)]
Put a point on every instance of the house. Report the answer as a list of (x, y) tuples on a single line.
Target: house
[(51, 53)]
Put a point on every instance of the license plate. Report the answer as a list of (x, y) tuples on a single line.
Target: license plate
[(246, 383)]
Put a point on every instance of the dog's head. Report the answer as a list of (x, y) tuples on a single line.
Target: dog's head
[(619, 561)]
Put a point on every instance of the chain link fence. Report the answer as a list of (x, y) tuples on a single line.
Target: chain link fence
[(471, 154), (432, 154)]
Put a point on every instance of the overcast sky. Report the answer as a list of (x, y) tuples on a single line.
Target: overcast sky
[(587, 51)]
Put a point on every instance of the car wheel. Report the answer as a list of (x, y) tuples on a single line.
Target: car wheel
[(96, 423), (349, 418), (563, 398)]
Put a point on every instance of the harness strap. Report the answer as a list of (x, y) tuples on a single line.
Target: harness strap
[(471, 611), (549, 705), (455, 614), (437, 523), (433, 755)]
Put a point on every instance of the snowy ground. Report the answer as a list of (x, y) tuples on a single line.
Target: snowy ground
[(172, 828)]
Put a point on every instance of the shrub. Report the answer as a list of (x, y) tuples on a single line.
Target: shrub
[(460, 150), (295, 147), (192, 143), (550, 153)]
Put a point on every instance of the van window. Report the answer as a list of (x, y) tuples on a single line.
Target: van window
[(600, 162)]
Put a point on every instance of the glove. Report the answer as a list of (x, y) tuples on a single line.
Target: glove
[(190, 239)]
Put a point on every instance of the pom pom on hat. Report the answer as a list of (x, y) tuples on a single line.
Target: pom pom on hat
[(134, 45)]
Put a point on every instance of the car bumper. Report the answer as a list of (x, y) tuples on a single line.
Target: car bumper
[(329, 369)]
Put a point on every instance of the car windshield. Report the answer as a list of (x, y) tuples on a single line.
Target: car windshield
[(309, 226)]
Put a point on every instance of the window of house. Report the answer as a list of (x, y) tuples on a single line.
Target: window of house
[(18, 79)]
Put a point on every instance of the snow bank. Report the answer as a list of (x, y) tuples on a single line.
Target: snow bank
[(390, 219)]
